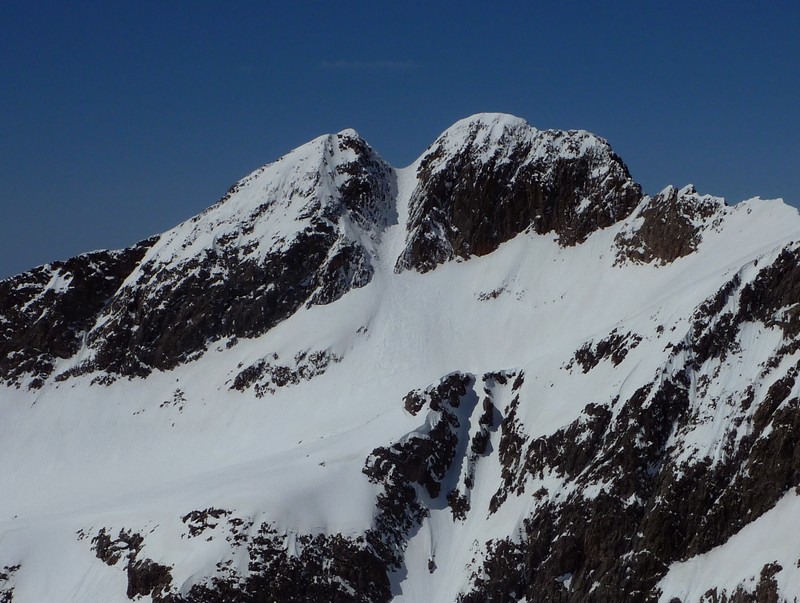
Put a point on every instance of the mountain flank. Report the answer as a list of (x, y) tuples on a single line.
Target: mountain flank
[(502, 373)]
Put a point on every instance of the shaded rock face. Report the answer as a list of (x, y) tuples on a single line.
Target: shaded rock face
[(433, 467), (772, 297), (485, 181), (175, 312), (45, 313), (586, 535), (669, 226)]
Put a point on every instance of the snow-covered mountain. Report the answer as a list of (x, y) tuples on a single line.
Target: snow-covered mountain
[(502, 373)]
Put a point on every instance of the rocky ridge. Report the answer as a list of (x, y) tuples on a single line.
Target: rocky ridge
[(487, 180)]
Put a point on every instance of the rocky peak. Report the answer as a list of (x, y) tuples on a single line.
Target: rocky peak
[(298, 231), (669, 225), (492, 176), (301, 230), (337, 177), (484, 135)]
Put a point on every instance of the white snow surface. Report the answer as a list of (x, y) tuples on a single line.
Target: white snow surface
[(142, 453), (495, 135)]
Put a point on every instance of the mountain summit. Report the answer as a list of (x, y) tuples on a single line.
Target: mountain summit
[(503, 373), (490, 177)]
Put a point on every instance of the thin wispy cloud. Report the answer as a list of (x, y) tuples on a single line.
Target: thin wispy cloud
[(344, 65)]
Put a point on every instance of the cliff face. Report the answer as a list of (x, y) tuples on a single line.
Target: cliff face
[(487, 179), (500, 374)]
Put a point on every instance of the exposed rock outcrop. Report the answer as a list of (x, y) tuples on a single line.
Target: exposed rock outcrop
[(145, 576), (46, 313), (491, 177), (669, 226)]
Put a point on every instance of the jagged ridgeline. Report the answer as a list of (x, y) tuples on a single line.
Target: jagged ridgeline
[(502, 373)]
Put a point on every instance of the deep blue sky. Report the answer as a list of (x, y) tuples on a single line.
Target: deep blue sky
[(120, 119)]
